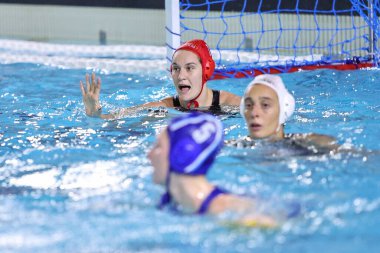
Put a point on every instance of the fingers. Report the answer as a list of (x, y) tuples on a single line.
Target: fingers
[(92, 86), (82, 89), (93, 82), (98, 85), (88, 85)]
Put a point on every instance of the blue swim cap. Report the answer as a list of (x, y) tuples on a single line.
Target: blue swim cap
[(195, 139)]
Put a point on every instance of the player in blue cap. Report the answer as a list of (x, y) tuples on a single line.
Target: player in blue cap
[(182, 156)]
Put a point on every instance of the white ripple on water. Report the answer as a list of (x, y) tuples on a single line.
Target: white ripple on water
[(25, 240), (80, 181)]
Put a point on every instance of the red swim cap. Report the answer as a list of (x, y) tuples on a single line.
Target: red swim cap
[(200, 48)]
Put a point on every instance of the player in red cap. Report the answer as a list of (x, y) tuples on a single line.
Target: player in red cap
[(192, 66)]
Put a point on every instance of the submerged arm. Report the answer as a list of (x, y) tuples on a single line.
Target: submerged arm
[(318, 143), (245, 212)]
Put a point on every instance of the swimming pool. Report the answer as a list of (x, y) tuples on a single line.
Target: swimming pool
[(70, 183)]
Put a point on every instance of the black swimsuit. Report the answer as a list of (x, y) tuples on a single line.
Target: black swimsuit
[(282, 148), (215, 100)]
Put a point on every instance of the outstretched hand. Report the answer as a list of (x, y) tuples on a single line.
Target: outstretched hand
[(90, 95)]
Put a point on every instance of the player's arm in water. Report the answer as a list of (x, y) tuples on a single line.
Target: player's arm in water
[(318, 143), (90, 95), (192, 66), (245, 211)]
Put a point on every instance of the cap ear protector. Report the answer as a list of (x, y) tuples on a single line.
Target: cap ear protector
[(200, 48), (285, 99)]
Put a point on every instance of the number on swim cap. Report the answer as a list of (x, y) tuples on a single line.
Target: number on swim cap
[(203, 133)]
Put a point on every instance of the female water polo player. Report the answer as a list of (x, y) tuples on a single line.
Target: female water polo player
[(266, 105), (182, 156), (192, 65)]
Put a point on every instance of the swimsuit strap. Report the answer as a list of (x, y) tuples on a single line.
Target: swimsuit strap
[(206, 203), (166, 198), (176, 102), (215, 98)]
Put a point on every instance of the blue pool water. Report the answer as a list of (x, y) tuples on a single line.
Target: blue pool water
[(70, 183)]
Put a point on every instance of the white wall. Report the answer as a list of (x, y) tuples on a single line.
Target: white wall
[(69, 24)]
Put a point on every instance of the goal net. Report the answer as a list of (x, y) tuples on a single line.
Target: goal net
[(250, 37)]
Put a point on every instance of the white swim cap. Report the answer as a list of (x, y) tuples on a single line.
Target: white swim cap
[(285, 99)]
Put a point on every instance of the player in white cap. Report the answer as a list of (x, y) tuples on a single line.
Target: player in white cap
[(266, 105)]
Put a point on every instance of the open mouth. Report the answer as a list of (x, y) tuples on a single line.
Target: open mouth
[(184, 88), (181, 87), (255, 126)]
